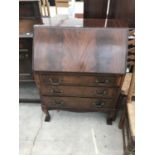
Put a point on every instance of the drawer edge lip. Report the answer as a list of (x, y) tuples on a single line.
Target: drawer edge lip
[(79, 97), (49, 73), (82, 85), (83, 110), (87, 97)]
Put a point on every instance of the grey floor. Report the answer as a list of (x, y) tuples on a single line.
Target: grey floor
[(28, 90), (68, 133)]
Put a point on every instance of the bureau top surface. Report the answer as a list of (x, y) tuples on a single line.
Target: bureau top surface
[(65, 21), (80, 49)]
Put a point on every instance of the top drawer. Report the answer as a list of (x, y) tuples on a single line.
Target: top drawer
[(83, 80)]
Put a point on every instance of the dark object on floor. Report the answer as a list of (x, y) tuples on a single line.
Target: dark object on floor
[(78, 69)]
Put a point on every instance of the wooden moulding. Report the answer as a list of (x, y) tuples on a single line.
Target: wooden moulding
[(26, 25), (131, 116)]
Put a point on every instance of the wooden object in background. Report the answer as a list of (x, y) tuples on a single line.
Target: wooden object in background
[(25, 58), (29, 9), (123, 10), (128, 118), (131, 50), (130, 66), (95, 9), (80, 68), (127, 121), (118, 9), (61, 3), (45, 8), (29, 15)]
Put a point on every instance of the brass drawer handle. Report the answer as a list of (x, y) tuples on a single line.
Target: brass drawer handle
[(101, 92), (56, 91), (98, 104), (58, 102), (55, 81)]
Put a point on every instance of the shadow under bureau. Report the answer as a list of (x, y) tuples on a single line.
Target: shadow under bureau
[(80, 68)]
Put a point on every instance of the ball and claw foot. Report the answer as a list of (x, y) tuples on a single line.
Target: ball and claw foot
[(109, 121), (47, 117), (111, 117)]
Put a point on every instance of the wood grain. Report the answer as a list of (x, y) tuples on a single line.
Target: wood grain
[(91, 50), (95, 8), (123, 10), (81, 104), (26, 25), (79, 91), (29, 9), (47, 78)]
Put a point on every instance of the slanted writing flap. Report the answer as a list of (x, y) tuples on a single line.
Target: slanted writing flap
[(77, 49)]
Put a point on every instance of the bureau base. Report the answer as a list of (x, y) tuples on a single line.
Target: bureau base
[(111, 114), (79, 93)]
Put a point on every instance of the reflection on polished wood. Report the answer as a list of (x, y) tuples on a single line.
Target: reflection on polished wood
[(75, 49)]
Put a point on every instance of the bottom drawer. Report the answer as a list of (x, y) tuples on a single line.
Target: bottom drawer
[(76, 103)]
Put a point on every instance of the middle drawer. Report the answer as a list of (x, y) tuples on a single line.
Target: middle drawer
[(79, 91)]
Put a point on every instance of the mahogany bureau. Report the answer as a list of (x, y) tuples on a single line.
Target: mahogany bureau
[(79, 68)]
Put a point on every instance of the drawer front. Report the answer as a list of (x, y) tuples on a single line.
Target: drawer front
[(78, 80), (25, 43), (77, 103), (79, 91)]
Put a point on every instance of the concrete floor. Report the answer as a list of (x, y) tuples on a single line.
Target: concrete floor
[(68, 133), (28, 90)]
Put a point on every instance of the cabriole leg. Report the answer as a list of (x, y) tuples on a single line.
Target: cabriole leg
[(47, 115), (111, 116)]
